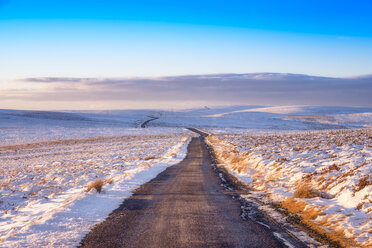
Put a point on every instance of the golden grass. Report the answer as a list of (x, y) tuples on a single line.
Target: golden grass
[(360, 205), (333, 167), (4, 185), (109, 180), (325, 221), (149, 157), (312, 184), (97, 184), (309, 214), (363, 182), (313, 213), (237, 159), (225, 155), (293, 206), (304, 191), (41, 182)]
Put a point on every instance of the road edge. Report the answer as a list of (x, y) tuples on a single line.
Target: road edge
[(230, 180)]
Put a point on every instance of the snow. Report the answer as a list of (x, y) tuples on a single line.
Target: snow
[(224, 119), (272, 110), (48, 159), (263, 118), (286, 242), (335, 165), (21, 127)]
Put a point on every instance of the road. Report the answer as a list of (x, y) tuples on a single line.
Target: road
[(146, 123), (184, 206)]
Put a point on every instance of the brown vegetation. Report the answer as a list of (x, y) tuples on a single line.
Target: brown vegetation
[(305, 191), (150, 157), (328, 159), (109, 180), (307, 215), (97, 184), (363, 182)]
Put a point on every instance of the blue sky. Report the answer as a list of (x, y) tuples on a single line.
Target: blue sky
[(163, 38), (329, 17)]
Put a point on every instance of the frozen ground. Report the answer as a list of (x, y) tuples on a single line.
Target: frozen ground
[(261, 119), (324, 176), (43, 198), (220, 119), (47, 160), (256, 118), (21, 127)]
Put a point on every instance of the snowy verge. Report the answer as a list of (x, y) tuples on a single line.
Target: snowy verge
[(64, 221), (322, 176)]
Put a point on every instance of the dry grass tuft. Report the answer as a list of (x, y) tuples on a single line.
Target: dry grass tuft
[(4, 185), (237, 159), (360, 205), (293, 205), (334, 167), (109, 180), (309, 214), (305, 191), (363, 182), (312, 213), (150, 157), (97, 184)]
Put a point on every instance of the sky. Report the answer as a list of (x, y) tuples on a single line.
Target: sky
[(109, 41)]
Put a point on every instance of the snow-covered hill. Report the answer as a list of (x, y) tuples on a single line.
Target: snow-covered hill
[(298, 117), (18, 126), (263, 118)]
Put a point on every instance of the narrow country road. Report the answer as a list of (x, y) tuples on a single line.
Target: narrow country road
[(184, 206), (146, 123)]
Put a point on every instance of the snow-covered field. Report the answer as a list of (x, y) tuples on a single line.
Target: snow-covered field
[(43, 198), (281, 118), (218, 119), (24, 135), (22, 127), (323, 176), (239, 119), (48, 159)]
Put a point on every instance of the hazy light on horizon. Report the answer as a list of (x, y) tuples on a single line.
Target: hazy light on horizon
[(190, 91)]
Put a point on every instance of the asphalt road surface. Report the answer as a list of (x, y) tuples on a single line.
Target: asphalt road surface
[(184, 206)]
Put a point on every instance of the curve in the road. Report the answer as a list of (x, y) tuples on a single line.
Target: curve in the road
[(146, 123)]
